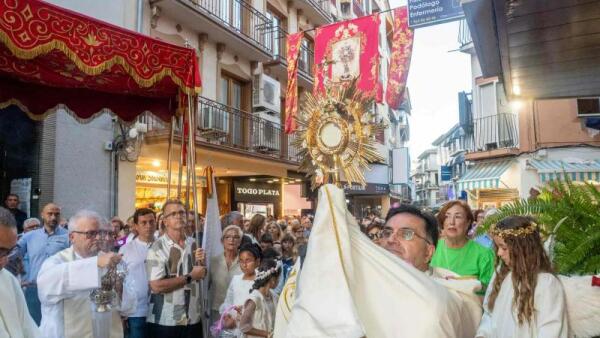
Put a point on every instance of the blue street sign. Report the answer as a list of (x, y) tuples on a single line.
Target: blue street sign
[(423, 13), (446, 173)]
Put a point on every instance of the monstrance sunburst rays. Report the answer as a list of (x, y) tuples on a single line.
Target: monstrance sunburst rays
[(336, 134)]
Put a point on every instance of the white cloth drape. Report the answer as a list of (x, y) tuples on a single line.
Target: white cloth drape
[(350, 287)]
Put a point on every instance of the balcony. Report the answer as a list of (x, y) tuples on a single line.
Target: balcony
[(278, 65), (464, 35), (494, 136), (222, 127), (318, 11), (236, 23)]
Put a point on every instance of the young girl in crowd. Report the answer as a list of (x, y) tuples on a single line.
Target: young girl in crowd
[(525, 298), (237, 292), (258, 315), (288, 258)]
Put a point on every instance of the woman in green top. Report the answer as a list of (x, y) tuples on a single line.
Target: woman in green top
[(456, 252)]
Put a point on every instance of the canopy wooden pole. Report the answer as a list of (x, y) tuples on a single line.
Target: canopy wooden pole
[(180, 174), (192, 137), (188, 171), (170, 156)]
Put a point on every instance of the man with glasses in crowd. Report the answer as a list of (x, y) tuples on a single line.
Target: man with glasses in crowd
[(134, 255), (67, 278), (35, 247), (175, 308), (15, 320)]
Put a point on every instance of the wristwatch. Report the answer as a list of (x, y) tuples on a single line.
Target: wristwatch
[(188, 278)]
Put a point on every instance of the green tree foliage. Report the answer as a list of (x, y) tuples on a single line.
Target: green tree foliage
[(570, 213)]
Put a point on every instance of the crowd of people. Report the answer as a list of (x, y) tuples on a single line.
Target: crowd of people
[(55, 265)]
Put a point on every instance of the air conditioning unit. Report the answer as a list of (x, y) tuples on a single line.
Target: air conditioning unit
[(266, 94), (214, 123)]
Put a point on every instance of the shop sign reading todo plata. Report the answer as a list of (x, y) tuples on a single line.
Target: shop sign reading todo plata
[(256, 192)]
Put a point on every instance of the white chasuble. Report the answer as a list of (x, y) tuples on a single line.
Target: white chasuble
[(64, 285), (15, 321), (349, 287)]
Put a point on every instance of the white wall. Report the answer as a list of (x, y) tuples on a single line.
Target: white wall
[(126, 189), (117, 12), (378, 174), (82, 173)]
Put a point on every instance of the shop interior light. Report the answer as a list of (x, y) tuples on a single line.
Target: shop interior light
[(298, 180), (156, 163), (269, 181), (275, 180), (516, 105), (253, 180)]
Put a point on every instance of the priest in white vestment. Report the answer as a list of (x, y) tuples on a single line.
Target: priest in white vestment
[(66, 280), (350, 287), (15, 320)]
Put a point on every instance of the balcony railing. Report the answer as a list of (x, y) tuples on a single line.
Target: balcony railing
[(464, 34), (228, 127), (323, 6), (239, 16), (496, 132), (279, 48)]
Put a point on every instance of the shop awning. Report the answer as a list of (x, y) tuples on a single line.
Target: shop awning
[(550, 170), (484, 175), (51, 56)]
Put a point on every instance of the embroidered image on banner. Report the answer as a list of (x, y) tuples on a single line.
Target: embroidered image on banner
[(347, 50)]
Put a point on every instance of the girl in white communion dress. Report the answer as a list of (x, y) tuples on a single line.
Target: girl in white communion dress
[(525, 298), (258, 314)]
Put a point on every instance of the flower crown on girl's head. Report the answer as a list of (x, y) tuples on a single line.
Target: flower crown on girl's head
[(260, 275), (520, 232)]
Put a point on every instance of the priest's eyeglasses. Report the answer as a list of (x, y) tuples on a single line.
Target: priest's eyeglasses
[(93, 234), (8, 252), (406, 234)]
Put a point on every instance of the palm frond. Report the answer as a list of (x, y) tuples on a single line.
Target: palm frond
[(569, 211)]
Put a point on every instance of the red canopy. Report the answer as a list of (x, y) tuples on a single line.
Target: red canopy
[(90, 65)]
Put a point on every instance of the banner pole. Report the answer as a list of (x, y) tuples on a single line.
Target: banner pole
[(170, 155), (180, 173)]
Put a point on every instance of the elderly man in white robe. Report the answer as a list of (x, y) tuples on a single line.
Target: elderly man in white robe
[(15, 320), (66, 280)]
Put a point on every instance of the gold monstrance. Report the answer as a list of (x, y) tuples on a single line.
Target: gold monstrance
[(337, 134)]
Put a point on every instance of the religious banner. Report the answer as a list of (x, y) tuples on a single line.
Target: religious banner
[(294, 41), (402, 42), (348, 50)]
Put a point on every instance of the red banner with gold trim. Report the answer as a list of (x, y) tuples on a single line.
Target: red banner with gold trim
[(293, 43), (402, 42), (347, 50), (43, 45)]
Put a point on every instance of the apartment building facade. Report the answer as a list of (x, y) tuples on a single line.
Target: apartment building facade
[(522, 141), (425, 179)]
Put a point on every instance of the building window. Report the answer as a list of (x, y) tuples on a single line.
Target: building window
[(234, 94), (588, 106), (278, 33)]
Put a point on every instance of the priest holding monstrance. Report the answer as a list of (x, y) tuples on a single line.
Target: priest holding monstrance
[(84, 288), (348, 286)]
